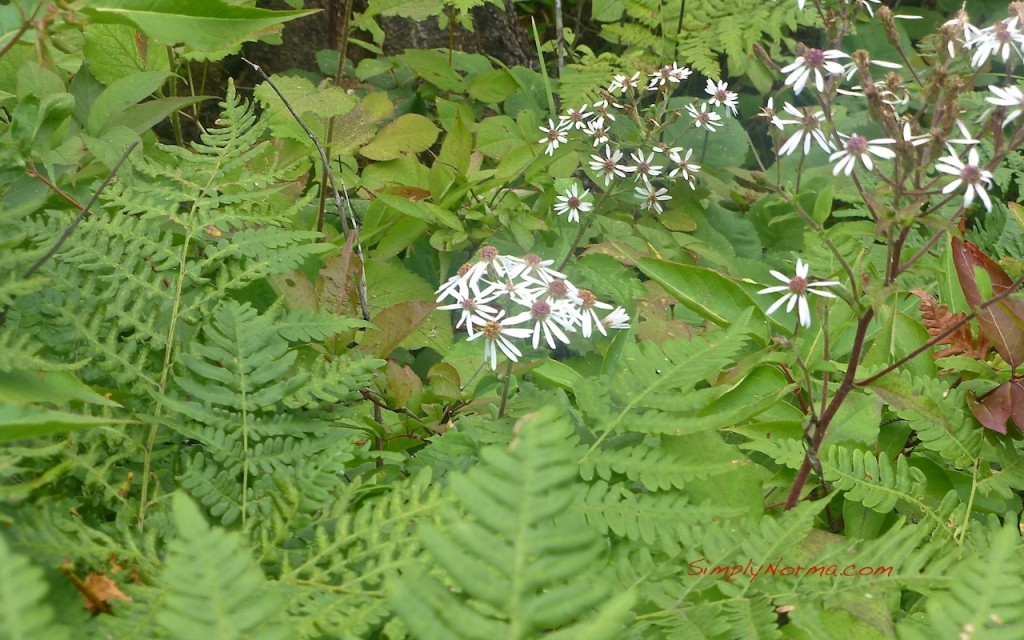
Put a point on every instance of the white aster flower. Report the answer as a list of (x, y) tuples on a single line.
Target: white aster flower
[(597, 131), (769, 113), (602, 109), (589, 304), (573, 202), (721, 96), (1011, 97), (812, 63), (609, 165), (617, 319), (490, 265), (796, 290), (554, 135), (644, 168), (475, 312), (496, 335), (622, 83), (575, 118), (668, 74), (857, 147), (970, 176), (704, 118), (867, 5), (534, 267), (683, 167), (1001, 39), (651, 198), (810, 131), (556, 292), (457, 286), (958, 30), (549, 320)]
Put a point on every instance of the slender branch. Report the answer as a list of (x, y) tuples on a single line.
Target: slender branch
[(25, 24), (343, 205)]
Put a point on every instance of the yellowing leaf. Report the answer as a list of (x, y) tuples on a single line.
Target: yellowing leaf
[(410, 133)]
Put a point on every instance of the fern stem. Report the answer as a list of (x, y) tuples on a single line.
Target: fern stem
[(970, 505)]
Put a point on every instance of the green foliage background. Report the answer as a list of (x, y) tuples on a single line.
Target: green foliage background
[(192, 405)]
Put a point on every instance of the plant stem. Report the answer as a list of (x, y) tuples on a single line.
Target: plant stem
[(829, 413), (504, 389)]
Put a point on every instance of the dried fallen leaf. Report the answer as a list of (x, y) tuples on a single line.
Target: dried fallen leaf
[(937, 320), (103, 590)]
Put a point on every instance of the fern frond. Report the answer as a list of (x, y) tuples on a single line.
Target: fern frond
[(519, 569), (652, 518), (23, 613), (654, 393), (983, 596), (871, 480), (213, 587), (935, 412)]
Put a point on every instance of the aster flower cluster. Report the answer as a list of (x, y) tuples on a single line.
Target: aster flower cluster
[(650, 169), (824, 71), (506, 298)]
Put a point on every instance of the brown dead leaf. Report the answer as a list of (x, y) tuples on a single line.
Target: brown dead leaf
[(98, 590), (937, 320)]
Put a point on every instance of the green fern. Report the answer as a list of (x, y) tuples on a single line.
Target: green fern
[(236, 375), (212, 586), (935, 412), (519, 569), (982, 599), (24, 615), (333, 581), (871, 480)]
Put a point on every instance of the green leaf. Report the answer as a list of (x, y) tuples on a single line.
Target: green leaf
[(707, 293), (115, 51), (457, 146), (57, 387), (823, 205), (122, 94), (201, 25), (492, 87), (410, 133), (21, 422)]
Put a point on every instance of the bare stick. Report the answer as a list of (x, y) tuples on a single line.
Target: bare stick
[(341, 201)]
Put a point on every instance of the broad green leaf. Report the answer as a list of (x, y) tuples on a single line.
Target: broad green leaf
[(140, 118), (358, 126), (492, 87), (57, 387), (201, 25), (122, 94), (115, 51), (457, 147), (313, 104), (410, 133), (18, 422), (707, 293), (557, 373)]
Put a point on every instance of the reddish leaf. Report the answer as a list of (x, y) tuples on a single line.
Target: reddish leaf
[(395, 324), (994, 410), (337, 287), (1017, 403), (404, 387), (1002, 324)]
